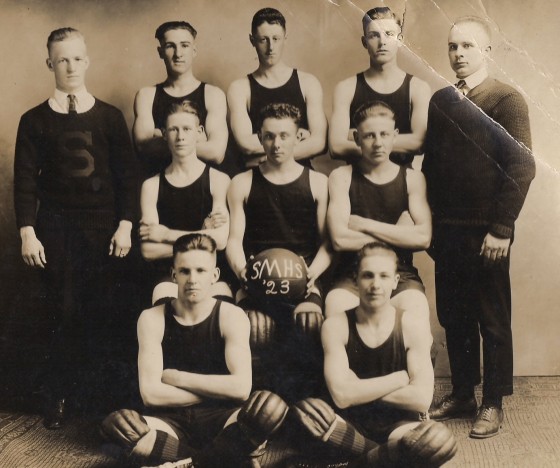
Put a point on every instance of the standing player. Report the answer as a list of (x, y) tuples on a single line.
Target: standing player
[(75, 198), (194, 369), (408, 96), (272, 82), (478, 168), (379, 375), (376, 199), (280, 204), (177, 49), (188, 196)]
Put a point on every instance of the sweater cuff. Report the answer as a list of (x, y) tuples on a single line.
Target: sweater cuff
[(501, 231)]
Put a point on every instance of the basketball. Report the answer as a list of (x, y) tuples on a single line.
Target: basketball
[(277, 274)]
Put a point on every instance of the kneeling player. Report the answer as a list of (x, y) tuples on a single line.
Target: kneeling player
[(379, 375), (376, 199), (194, 368), (188, 196)]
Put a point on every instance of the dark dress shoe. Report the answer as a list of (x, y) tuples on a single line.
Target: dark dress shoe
[(488, 422), (55, 414), (450, 407)]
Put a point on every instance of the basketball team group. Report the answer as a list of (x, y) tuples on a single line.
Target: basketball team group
[(285, 303)]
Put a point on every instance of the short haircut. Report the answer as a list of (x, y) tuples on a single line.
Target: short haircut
[(279, 110), (170, 25), (379, 13), (59, 35), (483, 23), (376, 247), (372, 109), (267, 15), (186, 107), (190, 242)]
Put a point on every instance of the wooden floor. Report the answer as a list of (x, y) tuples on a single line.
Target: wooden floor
[(530, 436)]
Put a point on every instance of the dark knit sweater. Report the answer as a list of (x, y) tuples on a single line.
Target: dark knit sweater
[(81, 167), (478, 163)]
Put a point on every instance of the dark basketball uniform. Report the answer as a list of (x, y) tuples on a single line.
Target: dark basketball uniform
[(384, 203), (185, 209), (376, 420), (289, 93), (199, 349), (81, 171), (399, 101)]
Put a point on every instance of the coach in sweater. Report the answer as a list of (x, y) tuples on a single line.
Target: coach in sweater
[(75, 200), (478, 167)]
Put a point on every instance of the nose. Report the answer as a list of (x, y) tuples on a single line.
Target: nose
[(277, 142), (71, 66)]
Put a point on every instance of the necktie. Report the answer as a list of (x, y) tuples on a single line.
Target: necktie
[(72, 104), (462, 86)]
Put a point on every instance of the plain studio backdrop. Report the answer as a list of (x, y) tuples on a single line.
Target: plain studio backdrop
[(323, 39)]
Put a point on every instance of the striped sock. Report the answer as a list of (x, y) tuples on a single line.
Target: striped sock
[(168, 449), (346, 438)]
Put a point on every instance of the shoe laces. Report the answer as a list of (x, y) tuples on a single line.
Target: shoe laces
[(486, 413)]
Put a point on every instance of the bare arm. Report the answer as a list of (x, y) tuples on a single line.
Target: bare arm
[(147, 138), (341, 145), (416, 235), (345, 387), (213, 147), (241, 126), (237, 193), (154, 392), (420, 94), (236, 385), (338, 214), (315, 143), (418, 394)]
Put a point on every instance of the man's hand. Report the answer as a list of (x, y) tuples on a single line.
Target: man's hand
[(356, 223), (170, 377), (121, 241), (32, 251), (494, 249), (153, 232), (302, 134), (215, 219), (312, 276), (315, 415), (125, 426)]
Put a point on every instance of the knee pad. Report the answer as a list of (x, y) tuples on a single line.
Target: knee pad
[(429, 444), (315, 415), (309, 323), (262, 415), (262, 328)]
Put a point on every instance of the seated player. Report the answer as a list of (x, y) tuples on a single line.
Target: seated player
[(274, 81), (379, 376), (187, 197), (407, 95), (376, 199), (194, 369), (177, 49)]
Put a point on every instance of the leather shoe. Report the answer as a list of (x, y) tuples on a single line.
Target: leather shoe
[(55, 414), (450, 407), (488, 422)]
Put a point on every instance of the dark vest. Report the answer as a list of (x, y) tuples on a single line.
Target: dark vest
[(162, 103)]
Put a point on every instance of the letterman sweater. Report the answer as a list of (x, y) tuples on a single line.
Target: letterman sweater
[(478, 163)]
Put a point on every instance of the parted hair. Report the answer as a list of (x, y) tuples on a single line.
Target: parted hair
[(372, 109), (372, 248), (484, 24), (190, 242), (379, 13), (59, 35), (267, 15), (170, 25), (186, 106), (280, 110)]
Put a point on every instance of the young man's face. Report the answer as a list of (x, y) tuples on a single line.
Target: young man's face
[(177, 51), (468, 47), (268, 41), (382, 40), (377, 278), (279, 138), (181, 132), (194, 272), (69, 61), (376, 136)]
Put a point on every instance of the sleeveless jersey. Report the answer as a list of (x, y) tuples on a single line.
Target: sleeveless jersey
[(282, 216), (382, 202), (184, 208), (196, 348), (398, 100), (162, 103)]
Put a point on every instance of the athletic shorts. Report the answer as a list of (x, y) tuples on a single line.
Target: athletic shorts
[(409, 280)]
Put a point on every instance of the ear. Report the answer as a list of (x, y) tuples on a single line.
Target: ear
[(252, 40), (160, 52), (50, 64), (164, 134), (397, 279), (400, 39), (195, 51), (173, 275), (86, 60), (364, 42), (356, 137), (259, 134), (396, 131), (216, 275)]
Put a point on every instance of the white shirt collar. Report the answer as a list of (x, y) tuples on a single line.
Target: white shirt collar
[(476, 78), (59, 101)]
